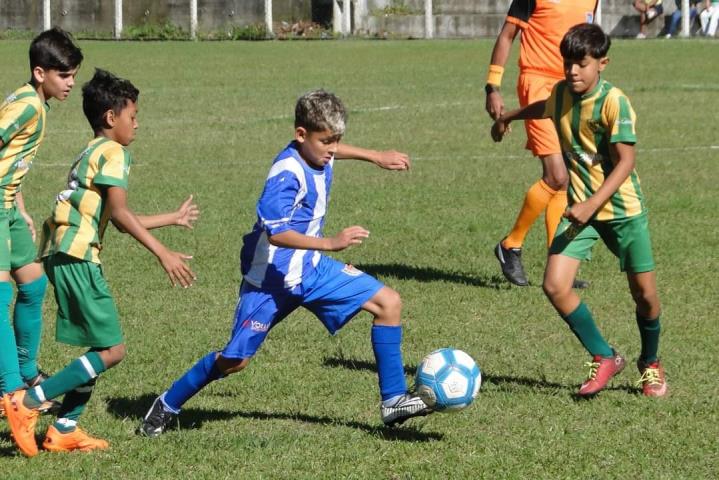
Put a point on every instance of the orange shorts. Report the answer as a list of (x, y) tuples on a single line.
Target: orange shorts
[(541, 134)]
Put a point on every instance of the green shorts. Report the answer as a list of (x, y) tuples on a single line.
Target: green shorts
[(86, 312), (16, 246), (627, 238)]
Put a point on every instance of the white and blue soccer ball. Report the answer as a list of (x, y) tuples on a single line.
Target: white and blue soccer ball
[(448, 380)]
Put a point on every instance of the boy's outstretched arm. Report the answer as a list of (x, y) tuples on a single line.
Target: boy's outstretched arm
[(185, 216), (292, 239), (388, 159), (173, 262), (532, 111), (581, 213)]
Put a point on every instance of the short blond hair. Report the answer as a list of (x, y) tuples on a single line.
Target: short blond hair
[(320, 110)]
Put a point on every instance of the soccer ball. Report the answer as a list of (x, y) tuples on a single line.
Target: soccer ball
[(448, 380)]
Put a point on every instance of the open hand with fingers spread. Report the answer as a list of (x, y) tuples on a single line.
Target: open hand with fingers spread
[(349, 236), (188, 213), (177, 269)]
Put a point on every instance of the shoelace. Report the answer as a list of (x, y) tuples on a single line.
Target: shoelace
[(650, 376), (593, 367)]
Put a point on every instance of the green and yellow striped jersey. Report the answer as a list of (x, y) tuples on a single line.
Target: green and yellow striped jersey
[(587, 124), (22, 127), (80, 217)]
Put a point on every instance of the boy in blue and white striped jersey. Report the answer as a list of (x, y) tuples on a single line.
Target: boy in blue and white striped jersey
[(283, 269)]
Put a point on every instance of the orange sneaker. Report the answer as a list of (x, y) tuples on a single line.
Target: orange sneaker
[(22, 422), (653, 382), (48, 407), (601, 370), (55, 441)]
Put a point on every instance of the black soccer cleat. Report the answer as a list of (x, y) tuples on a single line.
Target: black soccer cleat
[(157, 420), (49, 407), (407, 406), (580, 284), (510, 259)]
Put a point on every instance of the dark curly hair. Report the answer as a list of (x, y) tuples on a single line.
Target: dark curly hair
[(105, 92)]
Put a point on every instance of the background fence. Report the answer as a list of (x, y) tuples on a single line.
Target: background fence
[(215, 18)]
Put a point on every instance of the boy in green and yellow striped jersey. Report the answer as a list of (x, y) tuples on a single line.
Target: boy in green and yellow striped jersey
[(595, 123), (54, 62), (96, 193)]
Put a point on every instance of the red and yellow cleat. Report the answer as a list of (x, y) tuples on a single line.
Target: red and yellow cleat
[(55, 441), (653, 382), (22, 422), (601, 370)]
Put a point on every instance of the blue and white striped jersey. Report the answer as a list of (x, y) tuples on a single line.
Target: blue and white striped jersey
[(295, 198)]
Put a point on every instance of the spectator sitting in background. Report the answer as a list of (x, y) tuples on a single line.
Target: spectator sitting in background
[(648, 11), (677, 16), (709, 18)]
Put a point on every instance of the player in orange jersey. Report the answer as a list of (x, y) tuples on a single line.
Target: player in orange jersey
[(543, 23)]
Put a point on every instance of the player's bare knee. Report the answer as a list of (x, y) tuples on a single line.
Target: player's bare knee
[(646, 302), (391, 307), (113, 355), (553, 290), (228, 366)]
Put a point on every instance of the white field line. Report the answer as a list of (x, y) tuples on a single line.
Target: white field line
[(386, 108), (528, 155), (41, 164)]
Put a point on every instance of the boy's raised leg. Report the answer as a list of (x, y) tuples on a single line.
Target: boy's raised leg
[(22, 407), (606, 363), (398, 405), (166, 407), (65, 435)]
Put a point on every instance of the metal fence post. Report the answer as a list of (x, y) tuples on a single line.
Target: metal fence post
[(346, 17), (336, 17), (268, 18), (686, 17), (428, 19), (118, 19), (46, 20), (193, 19)]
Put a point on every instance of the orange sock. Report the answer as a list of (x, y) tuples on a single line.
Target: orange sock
[(535, 202), (556, 207)]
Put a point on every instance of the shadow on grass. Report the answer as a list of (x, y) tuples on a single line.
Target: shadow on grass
[(11, 450), (351, 364), (507, 383), (430, 274), (502, 382), (192, 418)]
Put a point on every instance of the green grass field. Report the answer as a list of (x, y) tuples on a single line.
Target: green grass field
[(212, 117)]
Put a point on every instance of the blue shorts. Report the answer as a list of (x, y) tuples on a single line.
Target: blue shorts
[(335, 293)]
